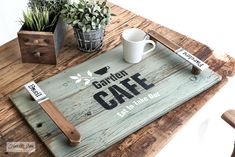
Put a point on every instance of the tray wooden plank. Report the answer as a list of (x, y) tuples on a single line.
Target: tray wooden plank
[(100, 128)]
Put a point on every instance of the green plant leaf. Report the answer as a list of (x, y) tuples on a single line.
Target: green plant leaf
[(89, 14), (81, 10), (38, 19), (75, 22), (105, 11), (88, 28), (84, 28)]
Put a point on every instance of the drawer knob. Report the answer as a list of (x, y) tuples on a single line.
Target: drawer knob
[(37, 54), (36, 41)]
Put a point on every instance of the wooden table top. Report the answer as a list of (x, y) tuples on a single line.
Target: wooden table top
[(147, 141)]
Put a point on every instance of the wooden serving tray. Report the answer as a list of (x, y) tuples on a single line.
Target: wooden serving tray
[(107, 99)]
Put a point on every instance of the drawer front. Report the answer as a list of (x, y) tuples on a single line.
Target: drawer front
[(37, 54), (37, 48)]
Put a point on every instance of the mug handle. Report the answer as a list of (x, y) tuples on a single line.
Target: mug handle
[(151, 42)]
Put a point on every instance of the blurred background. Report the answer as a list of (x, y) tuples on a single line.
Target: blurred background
[(208, 21)]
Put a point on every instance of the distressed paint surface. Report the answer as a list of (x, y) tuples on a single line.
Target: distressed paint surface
[(101, 128)]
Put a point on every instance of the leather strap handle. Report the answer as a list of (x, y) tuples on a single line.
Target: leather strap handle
[(198, 65), (169, 44), (56, 116), (63, 124)]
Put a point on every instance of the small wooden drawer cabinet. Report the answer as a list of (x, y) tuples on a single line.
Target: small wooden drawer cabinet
[(41, 47)]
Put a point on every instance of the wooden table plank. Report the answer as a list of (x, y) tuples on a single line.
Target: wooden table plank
[(141, 143)]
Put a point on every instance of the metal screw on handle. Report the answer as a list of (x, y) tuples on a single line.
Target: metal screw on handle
[(37, 54), (195, 70)]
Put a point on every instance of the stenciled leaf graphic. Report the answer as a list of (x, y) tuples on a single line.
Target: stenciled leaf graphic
[(89, 73), (77, 81), (74, 77), (87, 81), (78, 75)]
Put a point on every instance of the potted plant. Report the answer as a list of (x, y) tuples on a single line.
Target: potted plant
[(88, 19), (42, 31)]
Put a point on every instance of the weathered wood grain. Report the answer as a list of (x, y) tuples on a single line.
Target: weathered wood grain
[(34, 112), (76, 101), (111, 40), (137, 144), (118, 20), (41, 70), (9, 53), (68, 57), (38, 71), (165, 127)]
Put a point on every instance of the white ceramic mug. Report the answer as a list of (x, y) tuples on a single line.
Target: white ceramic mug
[(134, 40)]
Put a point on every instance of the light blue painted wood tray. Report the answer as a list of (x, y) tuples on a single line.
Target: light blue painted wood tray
[(160, 82)]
